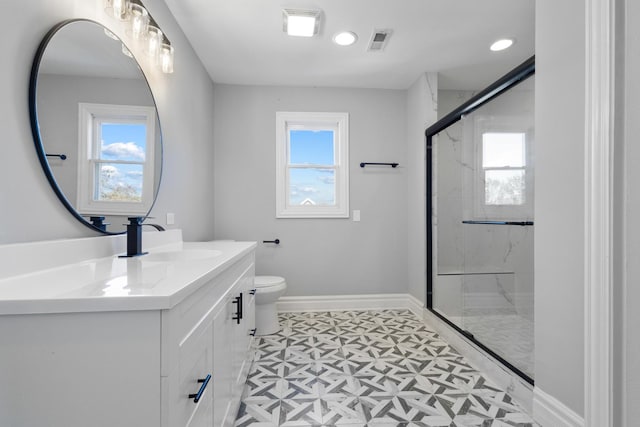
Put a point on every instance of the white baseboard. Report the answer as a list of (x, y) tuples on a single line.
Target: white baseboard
[(549, 411), (346, 302), (415, 305)]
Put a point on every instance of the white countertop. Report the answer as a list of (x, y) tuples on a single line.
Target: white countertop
[(156, 281)]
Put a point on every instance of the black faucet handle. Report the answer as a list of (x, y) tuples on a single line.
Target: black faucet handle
[(136, 220)]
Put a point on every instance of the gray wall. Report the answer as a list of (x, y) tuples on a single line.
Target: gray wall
[(559, 209), (627, 209), (316, 256), (30, 210)]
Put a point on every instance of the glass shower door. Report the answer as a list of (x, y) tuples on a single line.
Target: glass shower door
[(482, 180)]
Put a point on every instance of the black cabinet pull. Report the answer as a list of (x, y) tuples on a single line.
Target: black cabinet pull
[(253, 332), (252, 292), (238, 300), (204, 381)]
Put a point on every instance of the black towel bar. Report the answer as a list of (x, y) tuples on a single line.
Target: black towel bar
[(393, 165), (523, 223)]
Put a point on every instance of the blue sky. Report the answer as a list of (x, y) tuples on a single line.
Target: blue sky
[(311, 147), (124, 142)]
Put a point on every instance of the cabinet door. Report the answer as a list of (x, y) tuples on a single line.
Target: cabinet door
[(194, 364), (231, 342), (223, 360)]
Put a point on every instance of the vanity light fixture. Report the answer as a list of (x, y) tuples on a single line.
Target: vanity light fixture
[(501, 44), (117, 9), (301, 22), (345, 38), (142, 28), (139, 21), (153, 41), (165, 58)]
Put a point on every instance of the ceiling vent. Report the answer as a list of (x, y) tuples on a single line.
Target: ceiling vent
[(379, 40)]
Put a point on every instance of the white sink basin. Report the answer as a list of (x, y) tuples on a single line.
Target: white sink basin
[(181, 256)]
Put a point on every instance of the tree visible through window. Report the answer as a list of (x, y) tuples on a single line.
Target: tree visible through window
[(504, 163), (116, 159), (120, 165)]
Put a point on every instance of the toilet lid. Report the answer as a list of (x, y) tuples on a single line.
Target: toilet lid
[(266, 281)]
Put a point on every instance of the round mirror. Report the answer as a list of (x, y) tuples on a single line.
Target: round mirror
[(95, 125)]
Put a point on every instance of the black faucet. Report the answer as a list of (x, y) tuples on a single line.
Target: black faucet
[(134, 236)]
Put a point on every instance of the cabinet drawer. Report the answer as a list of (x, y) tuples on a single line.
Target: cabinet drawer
[(195, 362)]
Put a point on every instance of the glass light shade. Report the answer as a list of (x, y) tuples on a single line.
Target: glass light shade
[(139, 21), (153, 41), (117, 9), (165, 58)]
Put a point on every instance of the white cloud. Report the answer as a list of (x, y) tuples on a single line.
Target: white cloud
[(327, 179), (134, 174), (124, 150), (295, 190), (109, 171)]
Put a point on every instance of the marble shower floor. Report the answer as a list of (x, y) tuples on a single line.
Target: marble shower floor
[(368, 368)]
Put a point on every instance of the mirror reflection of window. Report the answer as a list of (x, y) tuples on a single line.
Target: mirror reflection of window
[(116, 162), (504, 163), (119, 162)]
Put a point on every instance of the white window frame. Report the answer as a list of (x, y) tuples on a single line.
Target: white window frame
[(88, 146), (339, 122), (483, 211)]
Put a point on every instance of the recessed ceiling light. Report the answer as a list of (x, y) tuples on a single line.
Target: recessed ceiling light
[(301, 23), (345, 38), (501, 44)]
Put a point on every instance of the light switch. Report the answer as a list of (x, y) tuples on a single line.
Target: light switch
[(356, 215), (171, 218)]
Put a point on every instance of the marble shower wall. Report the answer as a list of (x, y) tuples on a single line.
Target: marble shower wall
[(504, 251)]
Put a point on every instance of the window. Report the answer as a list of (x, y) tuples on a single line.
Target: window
[(503, 169), (312, 177), (116, 159), (503, 165)]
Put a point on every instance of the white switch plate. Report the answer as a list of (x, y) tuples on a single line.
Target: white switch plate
[(356, 215), (171, 218)]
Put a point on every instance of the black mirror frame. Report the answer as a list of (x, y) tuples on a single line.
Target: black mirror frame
[(35, 127)]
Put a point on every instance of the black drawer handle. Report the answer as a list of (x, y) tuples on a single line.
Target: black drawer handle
[(205, 381), (238, 300), (253, 332), (252, 291)]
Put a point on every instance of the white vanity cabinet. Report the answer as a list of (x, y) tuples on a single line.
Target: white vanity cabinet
[(210, 334), (132, 367)]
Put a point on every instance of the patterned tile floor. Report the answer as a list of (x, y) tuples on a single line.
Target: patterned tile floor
[(509, 335), (367, 368)]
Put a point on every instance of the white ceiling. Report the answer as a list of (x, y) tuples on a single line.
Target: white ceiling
[(242, 42)]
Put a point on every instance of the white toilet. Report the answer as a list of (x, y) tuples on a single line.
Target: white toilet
[(268, 290)]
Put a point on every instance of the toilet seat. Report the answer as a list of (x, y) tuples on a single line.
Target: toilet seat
[(262, 282)]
